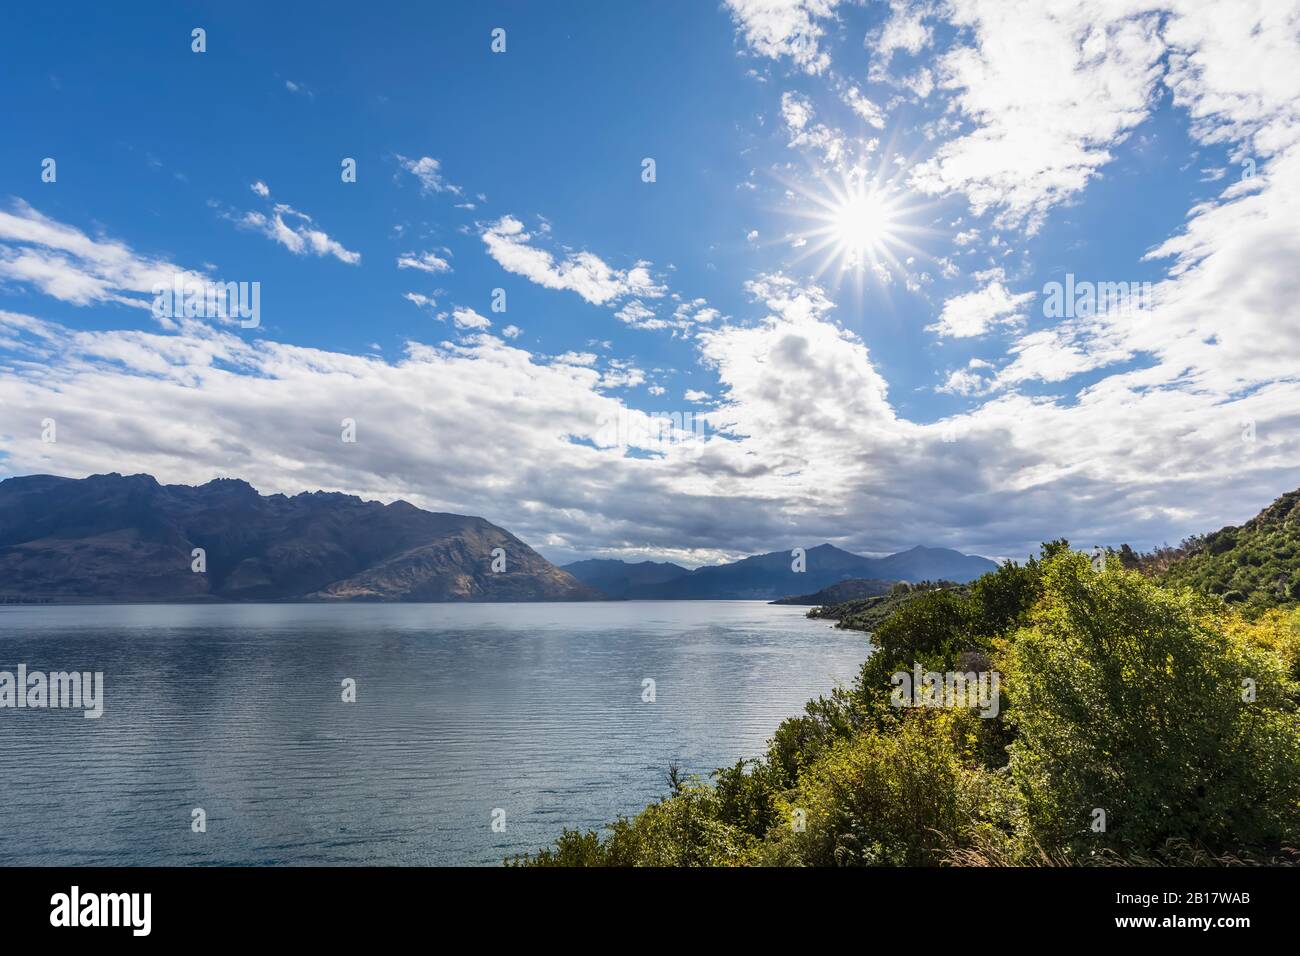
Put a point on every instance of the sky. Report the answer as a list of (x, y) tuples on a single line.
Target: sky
[(674, 280)]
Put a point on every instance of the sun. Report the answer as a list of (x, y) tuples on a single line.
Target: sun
[(863, 223), (859, 226)]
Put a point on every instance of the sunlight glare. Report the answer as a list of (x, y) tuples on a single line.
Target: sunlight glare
[(862, 223)]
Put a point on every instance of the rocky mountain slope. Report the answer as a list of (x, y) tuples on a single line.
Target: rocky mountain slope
[(128, 538)]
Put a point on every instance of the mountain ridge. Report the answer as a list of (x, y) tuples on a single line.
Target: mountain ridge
[(771, 576), (129, 538)]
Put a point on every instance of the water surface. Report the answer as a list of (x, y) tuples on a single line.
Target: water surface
[(535, 709)]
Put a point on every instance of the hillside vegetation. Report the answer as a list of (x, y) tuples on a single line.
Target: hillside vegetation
[(865, 614), (1256, 566), (852, 589), (1136, 721)]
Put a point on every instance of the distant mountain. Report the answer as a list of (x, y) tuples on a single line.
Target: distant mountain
[(853, 589), (1256, 565), (621, 579), (932, 564), (128, 538), (765, 577)]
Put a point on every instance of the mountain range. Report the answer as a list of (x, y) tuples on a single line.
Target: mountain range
[(125, 538), (773, 575), (129, 538)]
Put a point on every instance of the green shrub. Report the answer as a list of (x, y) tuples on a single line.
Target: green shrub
[(901, 798), (1129, 698)]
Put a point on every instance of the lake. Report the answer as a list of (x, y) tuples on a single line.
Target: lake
[(461, 710)]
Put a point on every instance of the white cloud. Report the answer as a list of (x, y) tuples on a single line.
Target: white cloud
[(66, 264), (582, 272), (469, 319), (921, 82), (802, 444), (418, 298), (805, 133), (861, 105), (261, 189), (968, 381), (694, 312), (429, 172), (621, 374), (905, 30), (424, 261), (790, 28), (974, 313), (301, 236), (1050, 89), (638, 315), (512, 332)]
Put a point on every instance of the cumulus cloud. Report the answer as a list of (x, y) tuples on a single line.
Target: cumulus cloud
[(469, 319), (969, 380), (806, 133), (975, 313), (622, 378), (1050, 89), (905, 30), (640, 316), (582, 272), (785, 28)]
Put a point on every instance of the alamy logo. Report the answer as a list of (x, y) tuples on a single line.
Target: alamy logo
[(1082, 299), (654, 432), (80, 690), (103, 909), (194, 299), (976, 689)]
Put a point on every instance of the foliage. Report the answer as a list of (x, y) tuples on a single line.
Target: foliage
[(1256, 566), (865, 614), (898, 798), (1131, 698), (686, 828)]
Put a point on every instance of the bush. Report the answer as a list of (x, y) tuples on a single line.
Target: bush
[(902, 798), (1129, 698), (683, 829), (931, 630)]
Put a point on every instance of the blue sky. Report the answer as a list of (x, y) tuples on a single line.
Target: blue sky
[(840, 263)]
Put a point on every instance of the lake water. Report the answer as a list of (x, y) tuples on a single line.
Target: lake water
[(461, 709)]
